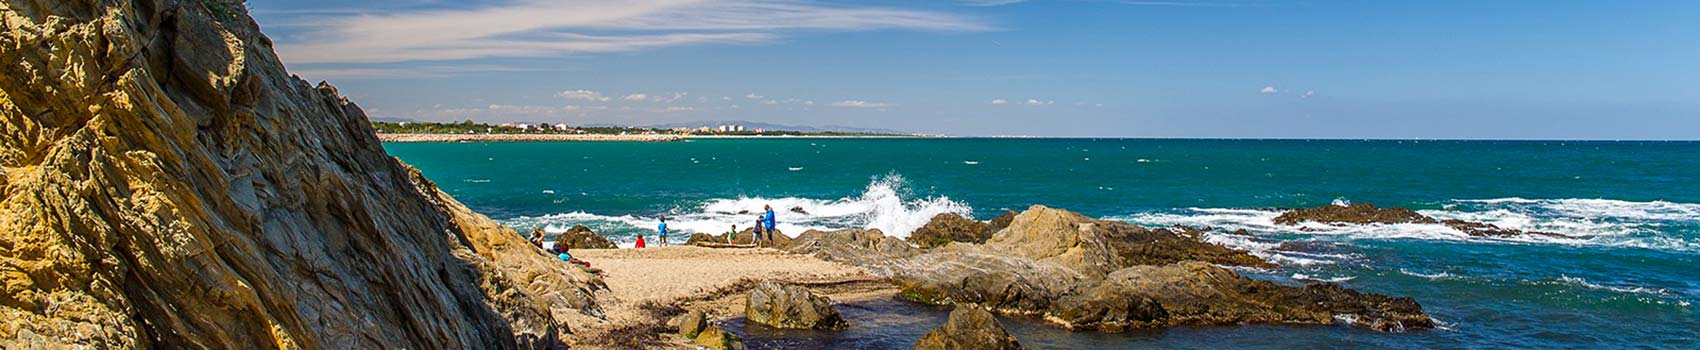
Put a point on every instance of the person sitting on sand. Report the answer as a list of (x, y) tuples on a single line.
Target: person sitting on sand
[(639, 242), (661, 231)]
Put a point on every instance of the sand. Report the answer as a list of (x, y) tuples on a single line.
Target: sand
[(709, 279)]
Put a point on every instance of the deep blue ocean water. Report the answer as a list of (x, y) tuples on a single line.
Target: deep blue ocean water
[(1626, 277)]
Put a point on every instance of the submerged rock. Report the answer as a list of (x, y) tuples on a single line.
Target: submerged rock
[(948, 227), (790, 306), (1084, 273), (167, 184), (580, 237), (969, 328)]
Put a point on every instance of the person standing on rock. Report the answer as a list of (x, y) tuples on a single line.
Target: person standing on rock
[(661, 231), (771, 221), (755, 237), (733, 232)]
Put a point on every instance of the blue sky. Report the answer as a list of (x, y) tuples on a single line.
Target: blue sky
[(1229, 68)]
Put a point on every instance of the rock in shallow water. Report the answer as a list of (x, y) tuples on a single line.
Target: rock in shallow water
[(718, 339), (790, 306), (1365, 213), (969, 328), (1085, 273)]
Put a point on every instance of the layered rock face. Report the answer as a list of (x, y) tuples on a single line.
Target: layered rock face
[(969, 328), (1085, 273), (164, 183)]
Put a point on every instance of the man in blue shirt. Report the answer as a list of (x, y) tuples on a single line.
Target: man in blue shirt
[(769, 221)]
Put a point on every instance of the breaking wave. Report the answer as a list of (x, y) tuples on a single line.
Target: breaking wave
[(1654, 225), (885, 204)]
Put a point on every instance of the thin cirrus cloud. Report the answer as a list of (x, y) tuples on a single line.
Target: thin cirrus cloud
[(543, 28)]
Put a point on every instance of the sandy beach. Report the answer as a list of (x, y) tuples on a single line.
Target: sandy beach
[(522, 137), (644, 284)]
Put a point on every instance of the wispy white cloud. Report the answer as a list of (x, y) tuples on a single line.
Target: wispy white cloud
[(585, 95), (545, 28), (999, 101), (861, 104), (753, 96), (635, 97), (1036, 102), (1268, 90), (1308, 94)]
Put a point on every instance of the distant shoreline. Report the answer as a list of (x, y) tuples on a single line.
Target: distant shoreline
[(410, 138), (405, 138)]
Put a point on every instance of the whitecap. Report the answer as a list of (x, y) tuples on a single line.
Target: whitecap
[(884, 204)]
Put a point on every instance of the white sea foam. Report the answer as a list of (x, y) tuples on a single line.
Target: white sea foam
[(1579, 222), (884, 205), (1304, 277), (1580, 282)]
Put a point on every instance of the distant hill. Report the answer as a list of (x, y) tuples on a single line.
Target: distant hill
[(772, 126)]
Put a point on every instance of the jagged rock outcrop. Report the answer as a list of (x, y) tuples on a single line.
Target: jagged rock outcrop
[(1084, 273), (1365, 213), (949, 227), (580, 237), (790, 306), (869, 247), (164, 183), (969, 328)]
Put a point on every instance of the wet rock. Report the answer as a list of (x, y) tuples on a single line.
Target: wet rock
[(799, 210), (1090, 274), (691, 323), (167, 184), (790, 306), (1356, 213), (948, 227), (969, 328), (580, 237), (719, 339), (1478, 229), (1365, 213)]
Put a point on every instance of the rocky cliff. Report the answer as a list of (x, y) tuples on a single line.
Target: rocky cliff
[(164, 183)]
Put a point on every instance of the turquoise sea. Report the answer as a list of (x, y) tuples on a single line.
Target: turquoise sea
[(1626, 277)]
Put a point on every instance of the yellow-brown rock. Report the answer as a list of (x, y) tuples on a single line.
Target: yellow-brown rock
[(164, 183)]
